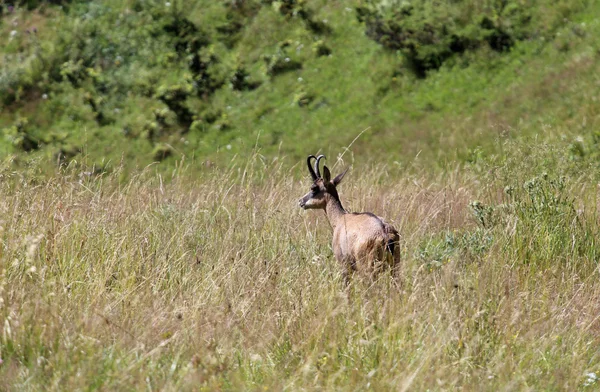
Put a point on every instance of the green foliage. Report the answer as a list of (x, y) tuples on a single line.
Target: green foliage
[(300, 9), (484, 214), (428, 33), (240, 80), (238, 14), (95, 74), (73, 72), (303, 98), (21, 137), (96, 106), (66, 153), (162, 125), (174, 96), (282, 60), (543, 221), (162, 151), (32, 4), (321, 49), (549, 226), (438, 250)]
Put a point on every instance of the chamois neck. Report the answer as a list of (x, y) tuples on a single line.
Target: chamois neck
[(334, 211)]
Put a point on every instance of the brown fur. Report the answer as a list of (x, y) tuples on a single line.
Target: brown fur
[(361, 242)]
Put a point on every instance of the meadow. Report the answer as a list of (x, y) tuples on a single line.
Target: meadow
[(150, 233), (224, 283)]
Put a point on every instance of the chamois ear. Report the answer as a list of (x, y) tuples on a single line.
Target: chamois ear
[(326, 174), (340, 176)]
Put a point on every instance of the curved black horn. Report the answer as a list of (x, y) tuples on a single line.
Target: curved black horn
[(310, 169), (317, 164)]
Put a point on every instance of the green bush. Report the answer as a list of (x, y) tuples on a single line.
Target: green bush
[(240, 80), (303, 98), (427, 33), (21, 136), (321, 49), (441, 248), (174, 97), (544, 220), (298, 8), (162, 152), (281, 61), (66, 153), (32, 4), (238, 14)]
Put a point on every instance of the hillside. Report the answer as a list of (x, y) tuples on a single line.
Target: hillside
[(152, 154), (138, 81)]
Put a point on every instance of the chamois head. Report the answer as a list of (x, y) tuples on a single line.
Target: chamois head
[(323, 189)]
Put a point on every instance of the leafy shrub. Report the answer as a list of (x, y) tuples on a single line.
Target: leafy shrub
[(21, 137), (10, 83), (321, 49), (211, 115), (188, 38), (162, 124), (95, 104), (208, 77), (240, 80), (439, 249), (549, 226), (223, 123), (238, 14), (277, 65), (545, 223), (66, 153), (192, 44), (73, 71), (298, 8), (427, 33), (174, 97), (281, 61), (303, 98), (31, 4), (484, 214), (544, 197), (162, 151)]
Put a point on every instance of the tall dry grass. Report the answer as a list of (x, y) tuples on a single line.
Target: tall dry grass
[(220, 282)]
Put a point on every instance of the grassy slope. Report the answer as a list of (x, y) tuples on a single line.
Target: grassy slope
[(448, 118), (214, 279)]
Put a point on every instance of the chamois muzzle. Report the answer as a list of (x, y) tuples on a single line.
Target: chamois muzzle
[(304, 201), (301, 203)]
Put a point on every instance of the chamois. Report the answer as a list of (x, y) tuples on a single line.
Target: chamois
[(362, 242)]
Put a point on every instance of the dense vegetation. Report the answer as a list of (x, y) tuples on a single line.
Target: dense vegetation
[(144, 80), (472, 126)]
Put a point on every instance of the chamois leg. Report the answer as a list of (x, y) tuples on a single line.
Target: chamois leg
[(348, 268), (393, 257), (396, 277), (372, 262)]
